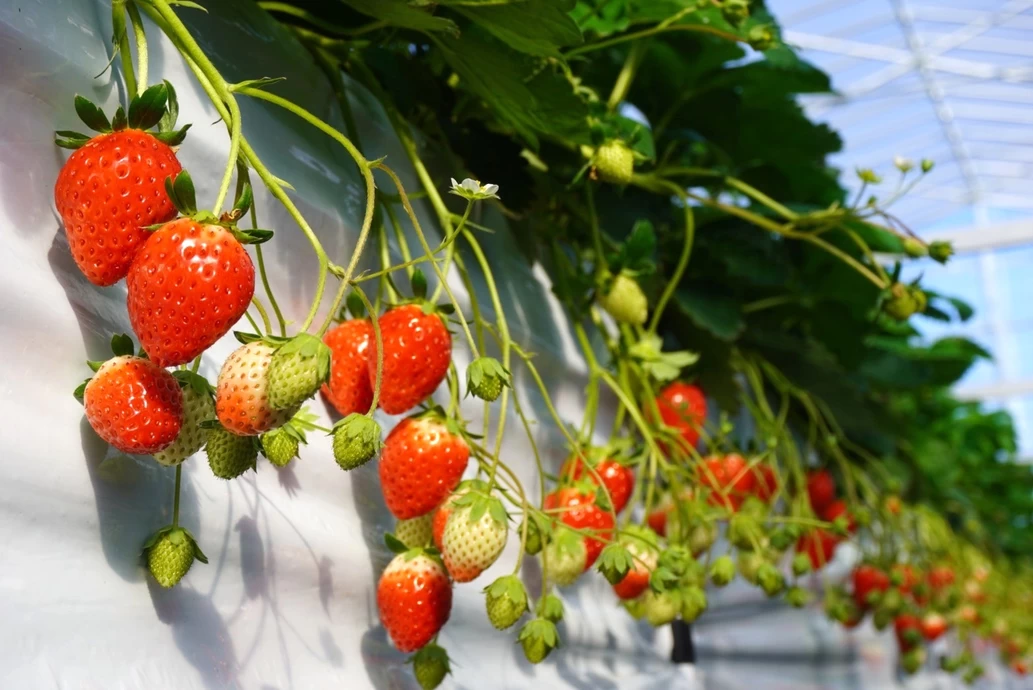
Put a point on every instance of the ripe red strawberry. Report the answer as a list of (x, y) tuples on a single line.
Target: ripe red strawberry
[(188, 285), (933, 626), (618, 479), (838, 509), (819, 545), (475, 535), (421, 463), (908, 630), (107, 192), (941, 576), (581, 512), (683, 407), (729, 479), (645, 555), (907, 577), (821, 489), (868, 579), (134, 405), (349, 389), (242, 392), (417, 352), (765, 482), (414, 598)]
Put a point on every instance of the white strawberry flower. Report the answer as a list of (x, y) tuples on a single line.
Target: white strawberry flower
[(903, 164), (473, 190)]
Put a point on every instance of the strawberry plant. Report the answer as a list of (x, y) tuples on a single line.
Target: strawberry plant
[(711, 267)]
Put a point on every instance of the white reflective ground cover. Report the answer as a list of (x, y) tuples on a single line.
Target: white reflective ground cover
[(287, 600)]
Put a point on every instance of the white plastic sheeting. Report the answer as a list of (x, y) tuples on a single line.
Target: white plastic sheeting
[(287, 600)]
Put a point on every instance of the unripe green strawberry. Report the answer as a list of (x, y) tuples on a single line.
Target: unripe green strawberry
[(801, 564), (904, 301), (279, 446), (771, 579), (538, 638), (735, 12), (722, 571), (624, 300), (533, 544), (614, 162), (415, 532), (913, 660), (693, 603), (198, 406), (660, 607), (170, 553), (485, 378), (230, 455), (475, 535), (299, 367), (356, 441), (506, 601), (564, 558), (798, 597), (749, 563), (430, 665)]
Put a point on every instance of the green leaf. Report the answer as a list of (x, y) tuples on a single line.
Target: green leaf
[(526, 98), (181, 192), (122, 345), (68, 139), (355, 305), (91, 115), (402, 14), (719, 315), (167, 123), (119, 121), (260, 83), (174, 137), (418, 284), (394, 543), (147, 109), (537, 27)]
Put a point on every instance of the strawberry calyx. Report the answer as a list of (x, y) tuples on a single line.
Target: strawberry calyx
[(396, 546), (486, 377), (418, 286), (155, 107), (175, 532), (183, 196), (121, 346), (480, 502)]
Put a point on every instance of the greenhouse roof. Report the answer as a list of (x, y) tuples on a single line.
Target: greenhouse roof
[(951, 81)]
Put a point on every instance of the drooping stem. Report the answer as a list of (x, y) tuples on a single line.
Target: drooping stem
[(450, 254), (367, 176), (375, 320), (683, 261), (626, 75), (266, 326), (175, 496), (140, 38), (427, 250), (125, 54)]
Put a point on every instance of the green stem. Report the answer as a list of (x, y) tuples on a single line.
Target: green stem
[(683, 262), (209, 77), (375, 320), (427, 250), (125, 54), (450, 254), (761, 197), (140, 38), (500, 318), (626, 76), (646, 33), (268, 328), (268, 289), (175, 496)]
